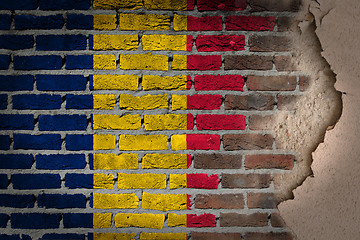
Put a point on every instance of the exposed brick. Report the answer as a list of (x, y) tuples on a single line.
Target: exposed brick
[(217, 161), (250, 23), (258, 102), (219, 82), (268, 236), (243, 220), (262, 200), (247, 141), (269, 161), (269, 43), (285, 63), (212, 43), (219, 122), (304, 83), (259, 122), (287, 24), (276, 220), (287, 102), (274, 5), (248, 62), (217, 201), (245, 180), (271, 83), (215, 236), (212, 5)]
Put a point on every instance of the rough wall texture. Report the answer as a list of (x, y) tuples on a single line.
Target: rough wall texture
[(157, 119)]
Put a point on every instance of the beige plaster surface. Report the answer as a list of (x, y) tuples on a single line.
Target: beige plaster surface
[(326, 205)]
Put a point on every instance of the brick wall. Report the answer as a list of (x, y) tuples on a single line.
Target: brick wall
[(144, 119)]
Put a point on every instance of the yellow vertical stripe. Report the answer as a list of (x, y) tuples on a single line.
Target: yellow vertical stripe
[(179, 102), (175, 220), (180, 22), (115, 201), (178, 142), (104, 101), (179, 62), (177, 181), (102, 220), (104, 141), (104, 62), (112, 161), (105, 22), (103, 181)]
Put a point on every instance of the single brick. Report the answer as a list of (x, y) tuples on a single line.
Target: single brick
[(60, 161), (175, 220), (105, 22), (212, 43), (143, 220), (79, 101), (35, 220), (79, 21), (104, 101), (243, 220), (16, 42), (37, 142), (190, 23), (103, 181), (287, 24), (220, 122), (288, 102), (73, 180), (196, 62), (202, 180), (167, 42), (23, 22), (143, 142), (219, 82), (130, 21), (213, 5), (3, 103), (153, 82), (17, 201), (62, 122), (124, 122), (104, 141), (198, 221), (166, 161), (141, 181), (215, 236), (16, 83), (112, 161), (115, 201), (269, 43), (4, 181), (204, 102), (61, 82), (248, 62), (247, 141), (114, 82), (102, 220), (4, 218), (55, 236), (144, 62), (4, 61), (164, 202), (146, 102), (64, 4), (177, 181), (61, 201), (36, 102), (16, 122), (259, 122), (268, 236), (16, 161), (181, 5), (61, 42), (274, 6), (18, 5), (79, 62), (4, 142), (271, 83), (250, 23), (269, 161), (48, 62), (78, 220), (168, 122), (304, 83), (79, 142), (276, 220), (259, 102), (262, 200), (217, 161), (118, 4), (285, 63), (5, 21), (104, 62), (219, 201), (114, 42), (163, 236), (245, 181)]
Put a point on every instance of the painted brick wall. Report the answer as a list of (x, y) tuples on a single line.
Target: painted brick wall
[(143, 119)]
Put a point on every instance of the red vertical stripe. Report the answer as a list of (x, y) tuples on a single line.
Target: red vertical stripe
[(203, 141), (188, 160), (203, 220), (190, 121), (202, 180)]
